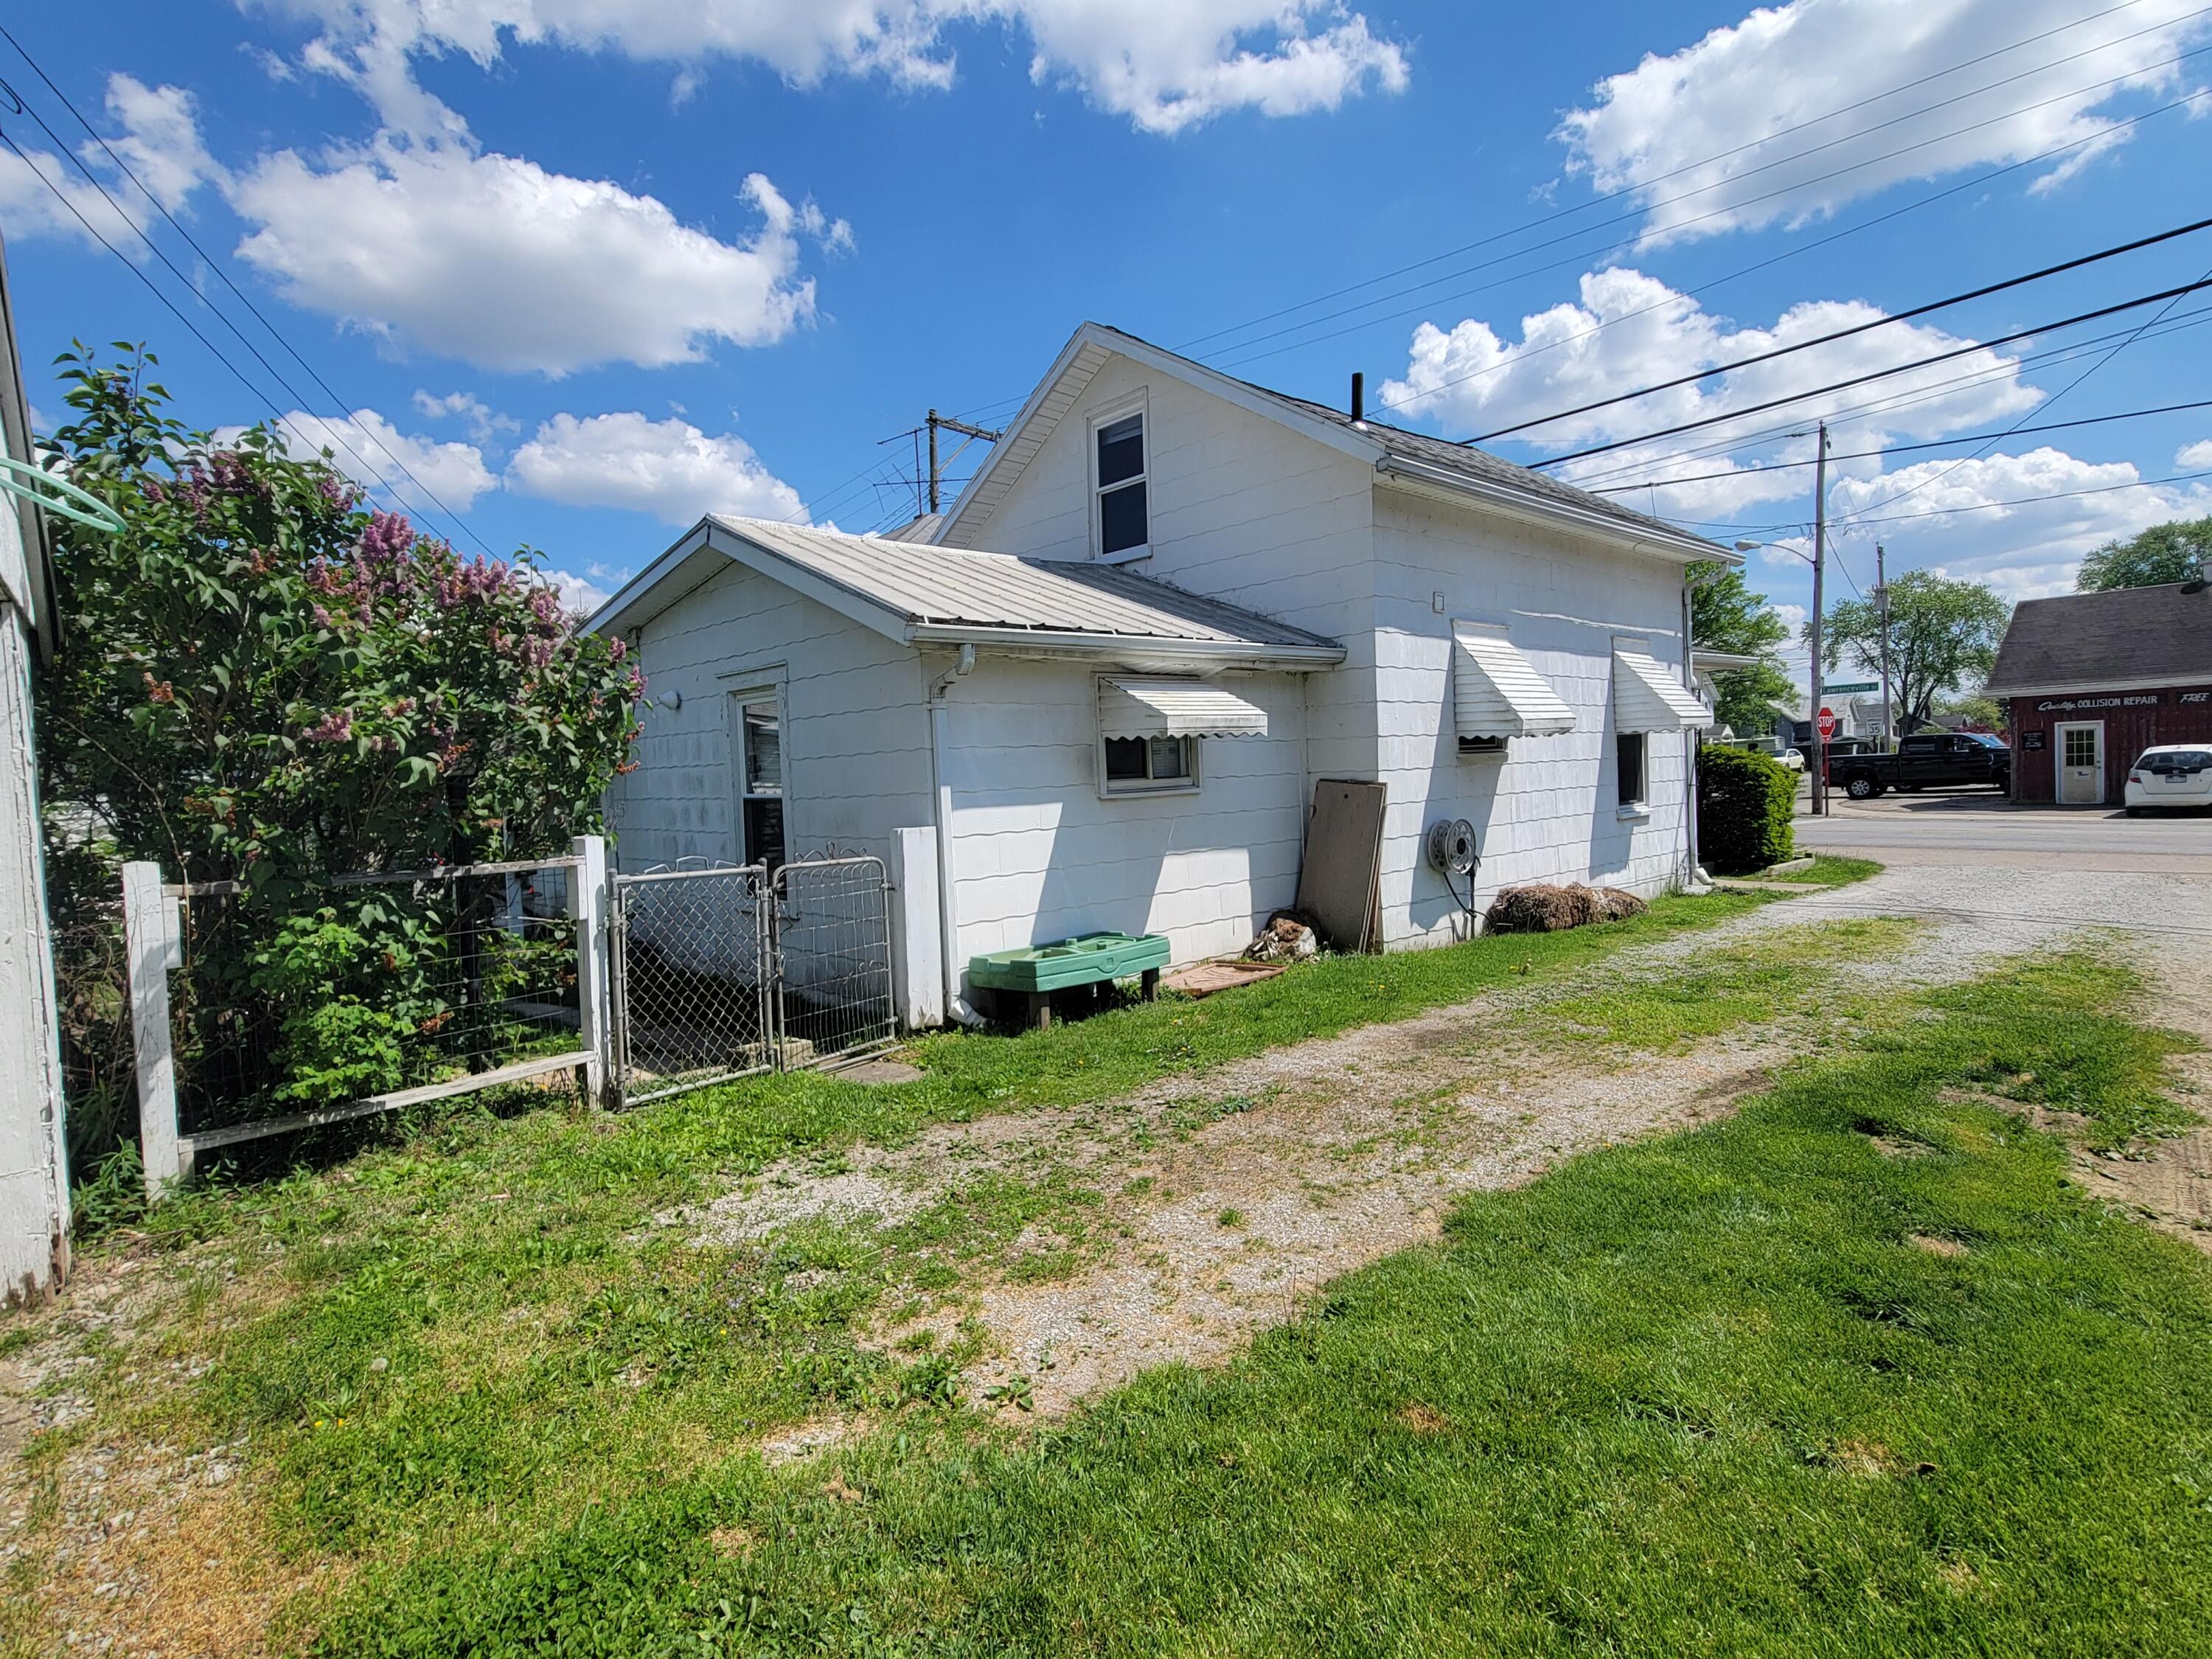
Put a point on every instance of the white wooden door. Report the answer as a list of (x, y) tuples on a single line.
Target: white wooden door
[(2080, 762)]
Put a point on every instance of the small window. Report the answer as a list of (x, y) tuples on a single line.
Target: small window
[(1482, 745), (1122, 523), (760, 738), (1136, 764), (2081, 746), (1628, 754)]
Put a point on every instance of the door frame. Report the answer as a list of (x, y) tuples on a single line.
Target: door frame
[(2058, 767)]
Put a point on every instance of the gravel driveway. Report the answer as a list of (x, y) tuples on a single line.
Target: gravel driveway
[(1343, 1150)]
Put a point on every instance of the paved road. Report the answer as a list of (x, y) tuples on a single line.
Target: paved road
[(1976, 828)]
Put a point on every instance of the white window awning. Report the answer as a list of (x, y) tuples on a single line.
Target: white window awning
[(1649, 697), (1136, 708), (1497, 692)]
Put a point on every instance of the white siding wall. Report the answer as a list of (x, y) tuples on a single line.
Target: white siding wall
[(33, 1179), (1039, 855), (1546, 809), (1241, 509), (855, 737)]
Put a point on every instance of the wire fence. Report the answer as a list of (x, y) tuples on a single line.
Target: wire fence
[(395, 982)]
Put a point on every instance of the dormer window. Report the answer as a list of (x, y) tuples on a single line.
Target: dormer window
[(1123, 529)]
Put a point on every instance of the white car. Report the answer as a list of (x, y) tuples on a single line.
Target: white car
[(1792, 758), (2172, 774)]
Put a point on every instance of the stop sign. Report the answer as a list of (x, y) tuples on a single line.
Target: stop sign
[(1827, 724)]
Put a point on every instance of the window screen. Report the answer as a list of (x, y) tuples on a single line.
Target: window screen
[(761, 738), (1136, 763)]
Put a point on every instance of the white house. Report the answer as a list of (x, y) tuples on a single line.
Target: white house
[(1108, 679), (33, 1173)]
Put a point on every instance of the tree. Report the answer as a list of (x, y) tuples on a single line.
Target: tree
[(1944, 635), (2176, 552), (261, 682), (1725, 615)]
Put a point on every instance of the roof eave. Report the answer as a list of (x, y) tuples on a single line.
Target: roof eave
[(2080, 688), (1128, 647), (1675, 546), (622, 608)]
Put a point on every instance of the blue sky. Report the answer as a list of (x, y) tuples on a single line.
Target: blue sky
[(591, 268)]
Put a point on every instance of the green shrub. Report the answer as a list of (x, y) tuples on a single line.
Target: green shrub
[(1745, 806)]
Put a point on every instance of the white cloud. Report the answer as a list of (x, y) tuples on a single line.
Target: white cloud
[(483, 422), (2192, 458), (1751, 94), (2027, 549), (668, 469), (1629, 330), (578, 597), (492, 259), (160, 139), (155, 132), (365, 444), (1165, 64)]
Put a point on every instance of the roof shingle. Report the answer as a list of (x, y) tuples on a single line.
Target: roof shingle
[(2130, 636)]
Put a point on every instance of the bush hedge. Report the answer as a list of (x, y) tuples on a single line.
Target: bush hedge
[(1746, 802)]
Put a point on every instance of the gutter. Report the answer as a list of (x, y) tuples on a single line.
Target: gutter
[(1546, 510)]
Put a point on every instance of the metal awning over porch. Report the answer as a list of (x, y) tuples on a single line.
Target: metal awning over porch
[(1497, 692), (1135, 707)]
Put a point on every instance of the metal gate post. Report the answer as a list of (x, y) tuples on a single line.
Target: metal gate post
[(772, 965), (617, 1086), (587, 904)]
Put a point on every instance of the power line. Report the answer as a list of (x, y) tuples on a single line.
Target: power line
[(1856, 329), (1900, 449), (1542, 220), (1882, 373), (2025, 500), (1643, 212), (153, 287), (342, 404), (2070, 386), (2103, 134)]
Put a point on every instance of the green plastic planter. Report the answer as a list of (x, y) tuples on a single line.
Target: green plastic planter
[(1085, 961)]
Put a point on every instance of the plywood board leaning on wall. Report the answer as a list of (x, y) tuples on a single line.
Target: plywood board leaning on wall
[(1339, 880)]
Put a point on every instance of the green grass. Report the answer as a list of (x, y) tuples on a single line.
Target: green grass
[(1699, 1395), (1830, 870)]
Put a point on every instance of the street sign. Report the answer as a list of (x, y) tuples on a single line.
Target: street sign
[(1827, 724), (1849, 691)]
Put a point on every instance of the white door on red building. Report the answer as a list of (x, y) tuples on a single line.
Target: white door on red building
[(2080, 762)]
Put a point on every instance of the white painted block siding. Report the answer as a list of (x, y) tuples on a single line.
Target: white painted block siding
[(34, 1177), (1546, 809), (855, 738), (1241, 510), (1038, 854)]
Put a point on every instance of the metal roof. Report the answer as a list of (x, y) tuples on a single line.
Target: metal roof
[(2130, 636), (927, 594), (1393, 450)]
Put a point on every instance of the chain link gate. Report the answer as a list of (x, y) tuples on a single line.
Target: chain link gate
[(832, 944), (724, 972), (689, 952)]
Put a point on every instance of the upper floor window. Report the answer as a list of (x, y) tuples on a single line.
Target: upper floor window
[(1122, 523)]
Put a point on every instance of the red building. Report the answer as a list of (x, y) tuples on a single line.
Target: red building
[(2094, 679)]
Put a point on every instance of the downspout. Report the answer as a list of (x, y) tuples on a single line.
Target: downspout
[(1692, 876), (941, 798)]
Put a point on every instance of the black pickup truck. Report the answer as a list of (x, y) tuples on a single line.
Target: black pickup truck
[(1925, 760)]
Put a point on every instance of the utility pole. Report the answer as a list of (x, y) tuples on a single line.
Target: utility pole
[(1882, 596), (1819, 566), (974, 434)]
